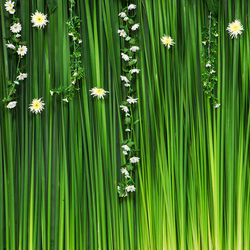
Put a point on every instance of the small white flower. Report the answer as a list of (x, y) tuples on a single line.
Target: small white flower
[(125, 152), (12, 11), (134, 159), (18, 35), (70, 34), (135, 26), (22, 50), (127, 85), (22, 76), (208, 65), (73, 82), (16, 28), (98, 92), (65, 100), (217, 105), (124, 108), (75, 74), (122, 33), (212, 71), (137, 71), (74, 38), (235, 28), (122, 14), (131, 100), (127, 114), (134, 48), (125, 79), (39, 19), (167, 41), (132, 7), (118, 188), (10, 46), (80, 41), (125, 147), (125, 19), (51, 92), (9, 5), (130, 188), (127, 38), (204, 42), (16, 82), (125, 172), (11, 105), (37, 106), (216, 35), (125, 57), (127, 130)]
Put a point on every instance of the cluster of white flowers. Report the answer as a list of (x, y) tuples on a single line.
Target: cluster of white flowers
[(128, 77)]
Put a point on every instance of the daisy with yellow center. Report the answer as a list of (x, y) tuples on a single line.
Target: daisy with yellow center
[(167, 41), (9, 5), (22, 50), (39, 19), (235, 28), (98, 92), (16, 28), (37, 106)]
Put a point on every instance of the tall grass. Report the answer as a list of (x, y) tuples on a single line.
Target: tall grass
[(59, 170)]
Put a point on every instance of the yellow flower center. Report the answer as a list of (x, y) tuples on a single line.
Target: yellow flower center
[(21, 50), (36, 105), (235, 27), (99, 91), (39, 19), (10, 5), (167, 40)]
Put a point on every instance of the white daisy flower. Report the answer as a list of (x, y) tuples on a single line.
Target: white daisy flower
[(122, 14), (16, 28), (125, 57), (22, 76), (134, 48), (10, 46), (98, 92), (130, 188), (51, 92), (132, 7), (9, 5), (127, 38), (217, 105), (11, 105), (137, 71), (65, 100), (122, 33), (125, 79), (135, 26), (12, 11), (22, 50), (125, 147), (131, 100), (39, 19), (37, 106), (235, 28), (204, 43), (212, 71), (167, 41), (125, 19), (124, 108)]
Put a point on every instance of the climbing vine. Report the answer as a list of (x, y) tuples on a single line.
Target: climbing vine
[(209, 55), (129, 48), (76, 65), (17, 48)]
